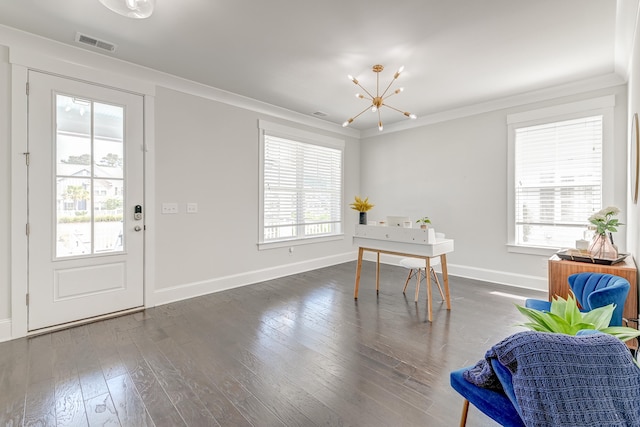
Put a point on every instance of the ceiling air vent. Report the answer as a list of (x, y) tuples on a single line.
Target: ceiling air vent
[(320, 114), (97, 43)]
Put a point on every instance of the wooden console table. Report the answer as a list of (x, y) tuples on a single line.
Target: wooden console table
[(560, 270), (405, 242)]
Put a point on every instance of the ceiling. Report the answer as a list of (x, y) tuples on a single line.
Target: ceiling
[(296, 54)]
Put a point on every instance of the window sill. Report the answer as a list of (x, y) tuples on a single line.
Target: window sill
[(298, 242), (532, 250)]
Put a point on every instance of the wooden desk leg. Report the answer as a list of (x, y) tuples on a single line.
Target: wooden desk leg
[(445, 276), (378, 275), (428, 283), (418, 280), (358, 269)]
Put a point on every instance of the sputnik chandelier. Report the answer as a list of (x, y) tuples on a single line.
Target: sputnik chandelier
[(378, 101)]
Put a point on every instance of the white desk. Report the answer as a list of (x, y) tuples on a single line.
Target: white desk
[(405, 242)]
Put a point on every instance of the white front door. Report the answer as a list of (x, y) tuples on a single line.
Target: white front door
[(85, 197)]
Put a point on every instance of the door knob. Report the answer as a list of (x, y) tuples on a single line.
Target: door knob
[(137, 228)]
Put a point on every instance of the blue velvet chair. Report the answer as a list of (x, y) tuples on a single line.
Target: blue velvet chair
[(593, 290), (501, 407)]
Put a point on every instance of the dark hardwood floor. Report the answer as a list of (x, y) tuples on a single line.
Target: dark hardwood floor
[(295, 351)]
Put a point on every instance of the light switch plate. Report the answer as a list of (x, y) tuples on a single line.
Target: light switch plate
[(169, 208)]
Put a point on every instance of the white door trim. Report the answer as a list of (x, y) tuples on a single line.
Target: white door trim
[(19, 261), (19, 113), (149, 201)]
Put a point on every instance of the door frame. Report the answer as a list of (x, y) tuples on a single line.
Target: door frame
[(21, 62)]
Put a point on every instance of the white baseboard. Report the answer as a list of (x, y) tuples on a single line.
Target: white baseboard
[(500, 277), (195, 289), (5, 330), (483, 274)]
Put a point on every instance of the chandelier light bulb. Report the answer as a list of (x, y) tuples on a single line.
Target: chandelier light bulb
[(359, 95), (380, 128), (397, 74), (374, 109)]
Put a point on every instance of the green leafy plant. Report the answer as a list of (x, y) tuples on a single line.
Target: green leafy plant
[(424, 220), (565, 317), (361, 205)]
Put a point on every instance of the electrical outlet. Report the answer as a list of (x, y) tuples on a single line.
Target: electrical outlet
[(169, 208), (192, 208)]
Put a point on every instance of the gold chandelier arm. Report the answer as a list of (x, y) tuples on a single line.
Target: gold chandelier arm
[(405, 113), (349, 121), (395, 92), (385, 91), (366, 91), (393, 108), (361, 112)]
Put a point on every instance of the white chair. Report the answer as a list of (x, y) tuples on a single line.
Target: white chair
[(417, 267)]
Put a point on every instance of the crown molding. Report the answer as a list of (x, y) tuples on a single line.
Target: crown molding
[(601, 82)]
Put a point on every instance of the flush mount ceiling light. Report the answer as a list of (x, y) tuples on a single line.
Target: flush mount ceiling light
[(378, 101), (138, 9)]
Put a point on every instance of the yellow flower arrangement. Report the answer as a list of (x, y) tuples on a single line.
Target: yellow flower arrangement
[(361, 205)]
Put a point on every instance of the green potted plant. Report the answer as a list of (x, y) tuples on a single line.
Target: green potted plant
[(564, 317), (362, 206), (423, 222)]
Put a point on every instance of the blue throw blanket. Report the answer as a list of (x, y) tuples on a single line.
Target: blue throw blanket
[(562, 380)]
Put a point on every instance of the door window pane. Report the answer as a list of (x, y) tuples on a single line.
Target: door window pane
[(108, 158), (108, 200), (89, 177), (73, 235)]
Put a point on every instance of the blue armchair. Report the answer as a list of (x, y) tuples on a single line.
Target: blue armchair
[(499, 405), (536, 378), (593, 290)]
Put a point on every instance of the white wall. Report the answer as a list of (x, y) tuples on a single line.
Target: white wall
[(207, 152), (455, 172)]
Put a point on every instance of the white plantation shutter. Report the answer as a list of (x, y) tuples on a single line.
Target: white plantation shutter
[(558, 180), (302, 189)]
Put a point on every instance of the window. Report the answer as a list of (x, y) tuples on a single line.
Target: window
[(556, 172), (301, 185)]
